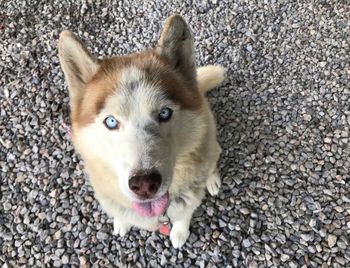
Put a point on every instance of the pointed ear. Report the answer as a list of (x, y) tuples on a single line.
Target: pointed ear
[(78, 65), (176, 45)]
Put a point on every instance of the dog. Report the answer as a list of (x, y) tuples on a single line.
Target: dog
[(144, 129)]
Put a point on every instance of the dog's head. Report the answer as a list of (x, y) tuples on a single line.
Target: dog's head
[(135, 114)]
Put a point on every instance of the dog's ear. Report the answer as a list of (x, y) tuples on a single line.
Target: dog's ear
[(78, 65), (176, 45)]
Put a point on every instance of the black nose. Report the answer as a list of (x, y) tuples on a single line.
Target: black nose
[(144, 184)]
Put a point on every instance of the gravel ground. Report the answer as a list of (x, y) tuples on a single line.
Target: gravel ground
[(283, 119)]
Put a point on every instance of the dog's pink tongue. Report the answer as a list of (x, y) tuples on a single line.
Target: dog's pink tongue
[(152, 208)]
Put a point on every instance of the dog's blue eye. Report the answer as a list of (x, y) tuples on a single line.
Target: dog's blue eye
[(111, 123), (165, 114)]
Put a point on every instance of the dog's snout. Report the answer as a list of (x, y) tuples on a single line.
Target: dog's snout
[(145, 185)]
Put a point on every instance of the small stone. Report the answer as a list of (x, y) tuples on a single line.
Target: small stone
[(7, 206), (75, 219), (65, 259), (246, 243), (272, 170), (102, 235), (332, 240), (215, 234), (327, 140), (319, 248), (340, 260), (163, 261), (312, 223), (57, 263), (192, 238), (264, 207), (222, 224), (20, 228), (293, 166), (253, 264), (292, 265), (284, 257), (307, 237), (6, 93), (322, 64), (341, 244), (281, 238), (309, 165), (57, 235), (307, 117), (244, 211), (311, 249), (339, 209), (82, 260)]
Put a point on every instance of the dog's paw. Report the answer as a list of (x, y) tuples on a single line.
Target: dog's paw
[(179, 235), (119, 228), (213, 183)]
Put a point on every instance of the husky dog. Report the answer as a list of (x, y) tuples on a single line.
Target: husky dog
[(145, 130)]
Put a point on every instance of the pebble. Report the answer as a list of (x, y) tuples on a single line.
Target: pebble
[(307, 237), (244, 211), (216, 234), (102, 235), (57, 235), (332, 240), (246, 243), (339, 209), (65, 259), (284, 257), (253, 264), (292, 265), (57, 263)]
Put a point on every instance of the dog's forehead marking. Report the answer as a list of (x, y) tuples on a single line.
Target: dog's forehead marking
[(135, 95), (130, 78)]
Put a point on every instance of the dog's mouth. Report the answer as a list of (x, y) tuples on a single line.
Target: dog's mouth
[(152, 208)]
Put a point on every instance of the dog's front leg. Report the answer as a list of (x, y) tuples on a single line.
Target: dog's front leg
[(120, 223), (180, 231), (180, 214), (120, 227)]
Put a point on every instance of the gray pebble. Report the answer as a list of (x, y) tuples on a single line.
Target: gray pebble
[(246, 243), (102, 235)]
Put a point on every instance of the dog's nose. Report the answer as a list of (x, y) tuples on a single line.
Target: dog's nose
[(145, 185)]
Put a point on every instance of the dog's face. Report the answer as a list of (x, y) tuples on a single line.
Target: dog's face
[(136, 113)]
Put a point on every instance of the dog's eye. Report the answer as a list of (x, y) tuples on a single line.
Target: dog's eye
[(111, 123), (165, 114)]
